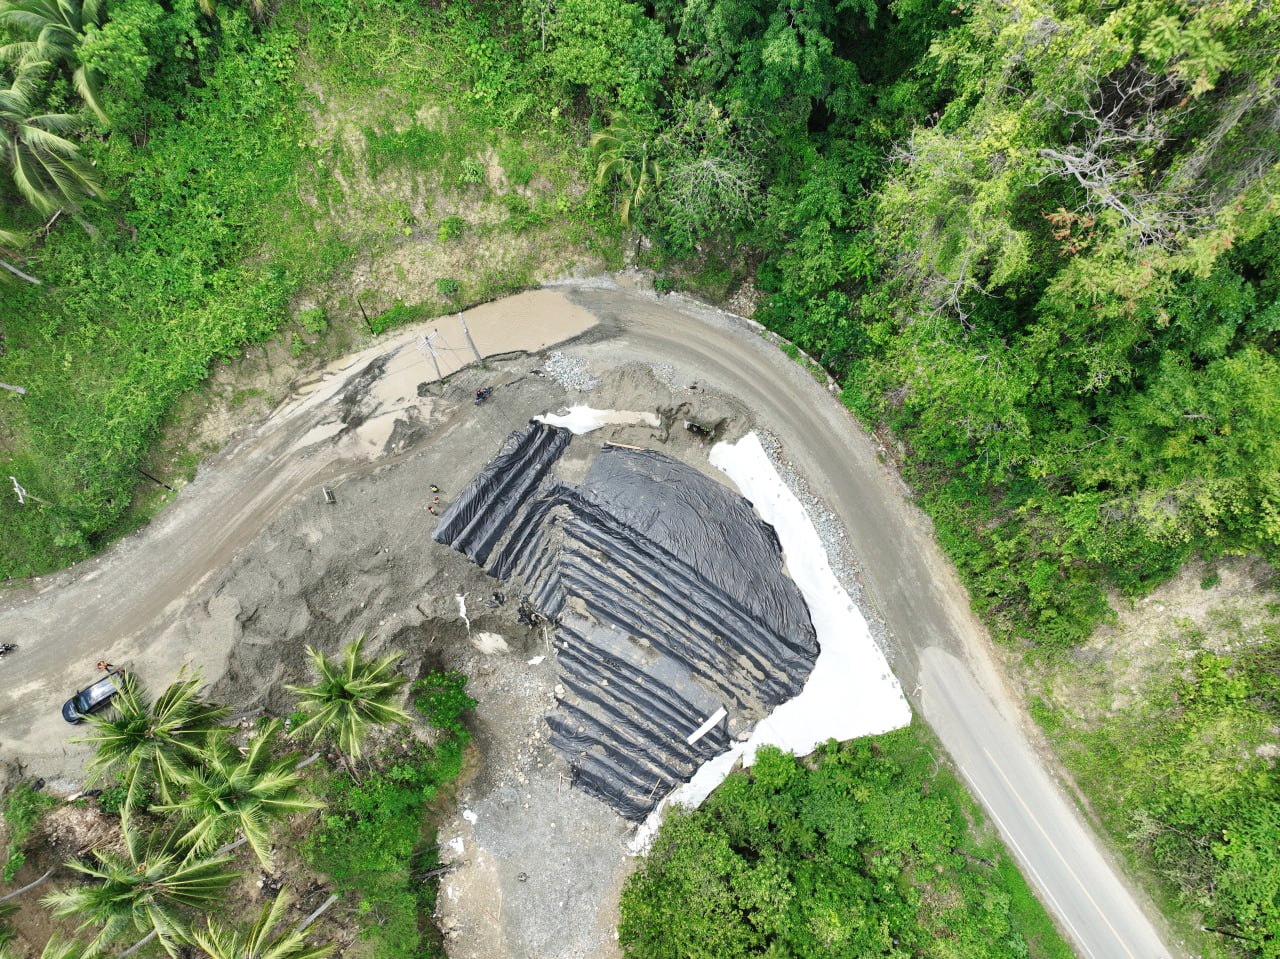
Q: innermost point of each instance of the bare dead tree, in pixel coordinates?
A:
(1193, 166)
(722, 183)
(541, 11)
(945, 156)
(944, 293)
(711, 177)
(1126, 118)
(1241, 150)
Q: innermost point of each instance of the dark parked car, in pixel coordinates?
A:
(92, 698)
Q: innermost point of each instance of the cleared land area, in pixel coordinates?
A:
(251, 563)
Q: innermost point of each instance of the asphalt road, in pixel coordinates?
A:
(940, 652)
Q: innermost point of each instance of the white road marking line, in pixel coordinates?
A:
(1027, 862)
(1058, 853)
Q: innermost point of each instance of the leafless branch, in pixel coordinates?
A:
(19, 274)
(1127, 116)
(30, 885)
(318, 913)
(138, 945)
(724, 182)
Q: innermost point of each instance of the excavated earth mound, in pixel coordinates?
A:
(671, 608)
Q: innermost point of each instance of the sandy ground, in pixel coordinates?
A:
(250, 564)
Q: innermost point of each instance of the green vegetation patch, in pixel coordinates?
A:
(23, 807)
(866, 848)
(1182, 773)
(246, 162)
(375, 839)
(132, 313)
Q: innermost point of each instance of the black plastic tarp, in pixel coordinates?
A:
(669, 599)
(478, 518)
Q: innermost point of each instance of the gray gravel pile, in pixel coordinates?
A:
(664, 373)
(571, 372)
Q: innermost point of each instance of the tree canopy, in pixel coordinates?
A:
(1035, 240)
(863, 851)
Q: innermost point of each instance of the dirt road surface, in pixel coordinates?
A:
(249, 562)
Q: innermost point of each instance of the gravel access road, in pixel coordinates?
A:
(119, 605)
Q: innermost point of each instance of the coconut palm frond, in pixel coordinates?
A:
(226, 791)
(259, 941)
(141, 741)
(352, 696)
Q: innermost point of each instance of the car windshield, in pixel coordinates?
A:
(102, 689)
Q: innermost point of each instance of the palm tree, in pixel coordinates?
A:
(257, 942)
(46, 167)
(12, 240)
(51, 32)
(624, 149)
(146, 890)
(352, 696)
(163, 740)
(226, 790)
(53, 949)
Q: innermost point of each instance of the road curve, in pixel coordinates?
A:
(939, 648)
(942, 649)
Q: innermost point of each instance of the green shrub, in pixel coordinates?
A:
(442, 698)
(416, 147)
(23, 808)
(516, 164)
(374, 837)
(112, 798)
(400, 314)
(451, 228)
(521, 214)
(866, 849)
(313, 320)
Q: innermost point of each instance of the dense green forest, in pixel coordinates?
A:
(1036, 241)
(865, 849)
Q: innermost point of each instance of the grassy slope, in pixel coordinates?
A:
(1168, 725)
(318, 163)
